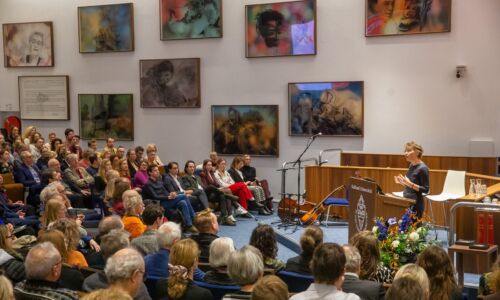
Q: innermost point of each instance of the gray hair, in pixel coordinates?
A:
(114, 241)
(168, 234)
(220, 250)
(49, 191)
(353, 259)
(40, 260)
(72, 157)
(122, 265)
(109, 223)
(245, 266)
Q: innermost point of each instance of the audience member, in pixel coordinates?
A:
(10, 261)
(43, 269)
(157, 263)
(123, 169)
(153, 218)
(250, 174)
(110, 145)
(220, 251)
(171, 181)
(208, 227)
(93, 167)
(120, 152)
(125, 271)
(96, 259)
(264, 238)
(327, 267)
(495, 277)
(133, 166)
(17, 212)
(183, 262)
(108, 294)
(415, 272)
(62, 152)
(245, 268)
(405, 288)
(141, 176)
(69, 133)
(29, 175)
(84, 162)
(486, 281)
(437, 264)
(139, 152)
(6, 290)
(121, 186)
(6, 165)
(310, 239)
(132, 221)
(365, 289)
(270, 287)
(152, 155)
(42, 162)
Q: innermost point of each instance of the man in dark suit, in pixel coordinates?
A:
(28, 174)
(365, 289)
(172, 183)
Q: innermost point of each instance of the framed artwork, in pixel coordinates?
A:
(281, 29)
(106, 28)
(44, 97)
(170, 82)
(28, 44)
(106, 115)
(245, 129)
(397, 17)
(190, 19)
(332, 108)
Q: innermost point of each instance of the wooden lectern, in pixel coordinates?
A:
(365, 204)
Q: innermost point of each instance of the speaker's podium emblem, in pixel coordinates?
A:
(361, 215)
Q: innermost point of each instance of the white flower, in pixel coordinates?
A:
(413, 237)
(395, 244)
(375, 229)
(419, 230)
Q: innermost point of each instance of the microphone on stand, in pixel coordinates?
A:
(316, 135)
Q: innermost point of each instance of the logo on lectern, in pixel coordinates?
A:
(360, 214)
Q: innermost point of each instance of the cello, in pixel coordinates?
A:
(312, 215)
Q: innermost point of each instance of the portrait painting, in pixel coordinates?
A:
(28, 44)
(245, 129)
(106, 115)
(106, 28)
(170, 83)
(281, 29)
(397, 17)
(332, 108)
(190, 19)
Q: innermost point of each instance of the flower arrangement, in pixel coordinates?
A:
(401, 240)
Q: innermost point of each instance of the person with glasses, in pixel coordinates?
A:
(125, 271)
(10, 261)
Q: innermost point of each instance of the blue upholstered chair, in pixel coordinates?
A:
(218, 291)
(296, 282)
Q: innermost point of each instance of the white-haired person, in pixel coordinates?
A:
(417, 273)
(220, 251)
(125, 270)
(134, 207)
(43, 269)
(245, 268)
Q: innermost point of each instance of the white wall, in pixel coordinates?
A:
(410, 87)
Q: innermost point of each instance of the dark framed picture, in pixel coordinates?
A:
(28, 44)
(190, 19)
(106, 115)
(245, 129)
(106, 28)
(281, 29)
(44, 97)
(397, 17)
(332, 108)
(170, 83)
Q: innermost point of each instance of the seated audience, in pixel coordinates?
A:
(106, 225)
(415, 272)
(125, 271)
(250, 174)
(100, 179)
(92, 144)
(94, 163)
(405, 288)
(6, 290)
(437, 264)
(52, 175)
(6, 165)
(155, 190)
(16, 212)
(78, 176)
(115, 162)
(270, 287)
(109, 293)
(62, 152)
(71, 278)
(327, 267)
(123, 169)
(120, 152)
(310, 239)
(371, 266)
(153, 218)
(10, 261)
(220, 251)
(245, 268)
(206, 223)
(152, 157)
(121, 185)
(29, 175)
(43, 162)
(36, 147)
(54, 144)
(110, 145)
(133, 166)
(365, 289)
(141, 176)
(191, 181)
(157, 263)
(84, 162)
(264, 238)
(139, 153)
(72, 234)
(172, 183)
(43, 269)
(183, 262)
(132, 221)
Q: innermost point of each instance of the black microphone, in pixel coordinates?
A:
(316, 135)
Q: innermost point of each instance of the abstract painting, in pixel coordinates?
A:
(281, 29)
(397, 17)
(332, 108)
(106, 28)
(245, 129)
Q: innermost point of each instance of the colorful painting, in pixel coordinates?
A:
(28, 45)
(190, 19)
(281, 29)
(245, 129)
(106, 115)
(170, 82)
(106, 28)
(396, 17)
(329, 108)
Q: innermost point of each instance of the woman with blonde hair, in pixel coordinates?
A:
(123, 169)
(72, 238)
(120, 186)
(310, 239)
(417, 273)
(28, 133)
(183, 260)
(152, 155)
(54, 210)
(6, 290)
(132, 221)
(10, 261)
